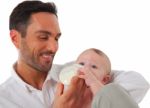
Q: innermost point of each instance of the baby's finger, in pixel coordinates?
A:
(81, 76)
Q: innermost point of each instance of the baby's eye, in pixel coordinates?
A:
(94, 66)
(81, 63)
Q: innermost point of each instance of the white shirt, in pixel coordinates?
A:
(15, 93)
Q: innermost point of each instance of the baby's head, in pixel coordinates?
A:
(98, 62)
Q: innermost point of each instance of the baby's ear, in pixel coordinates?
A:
(106, 79)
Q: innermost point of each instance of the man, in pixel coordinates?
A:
(34, 30)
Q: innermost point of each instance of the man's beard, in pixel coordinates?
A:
(33, 60)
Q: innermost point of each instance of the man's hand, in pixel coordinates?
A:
(74, 96)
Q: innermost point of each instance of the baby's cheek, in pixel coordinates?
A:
(99, 75)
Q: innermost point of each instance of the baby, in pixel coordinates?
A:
(96, 68)
(93, 66)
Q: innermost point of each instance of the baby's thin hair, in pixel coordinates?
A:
(97, 51)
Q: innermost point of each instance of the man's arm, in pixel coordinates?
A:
(133, 82)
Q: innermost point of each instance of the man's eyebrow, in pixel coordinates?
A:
(47, 32)
(43, 31)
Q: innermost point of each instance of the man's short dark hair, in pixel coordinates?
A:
(20, 16)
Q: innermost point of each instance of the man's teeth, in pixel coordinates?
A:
(46, 56)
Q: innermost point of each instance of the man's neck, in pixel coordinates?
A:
(30, 75)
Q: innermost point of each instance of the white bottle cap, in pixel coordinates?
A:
(67, 73)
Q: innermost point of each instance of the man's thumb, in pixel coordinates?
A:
(59, 89)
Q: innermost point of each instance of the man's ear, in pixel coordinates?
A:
(15, 37)
(106, 79)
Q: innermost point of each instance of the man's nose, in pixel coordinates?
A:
(52, 45)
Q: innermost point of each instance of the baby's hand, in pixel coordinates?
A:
(90, 79)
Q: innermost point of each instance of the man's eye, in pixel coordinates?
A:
(81, 63)
(43, 36)
(94, 66)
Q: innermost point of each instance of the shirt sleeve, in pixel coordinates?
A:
(133, 82)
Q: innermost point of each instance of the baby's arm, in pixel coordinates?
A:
(91, 80)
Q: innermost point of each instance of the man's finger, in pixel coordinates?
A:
(75, 85)
(59, 89)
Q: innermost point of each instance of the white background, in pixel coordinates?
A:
(121, 28)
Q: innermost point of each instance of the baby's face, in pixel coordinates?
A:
(93, 61)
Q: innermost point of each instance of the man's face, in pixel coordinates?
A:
(40, 44)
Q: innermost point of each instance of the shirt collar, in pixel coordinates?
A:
(25, 85)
